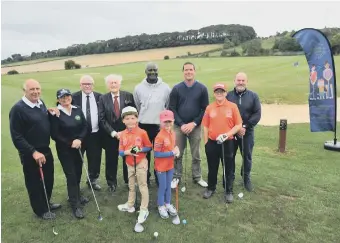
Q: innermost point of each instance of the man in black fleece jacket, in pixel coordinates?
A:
(188, 101)
(30, 132)
(249, 106)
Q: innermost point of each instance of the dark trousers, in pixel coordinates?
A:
(213, 151)
(248, 141)
(92, 145)
(152, 131)
(71, 163)
(33, 181)
(111, 162)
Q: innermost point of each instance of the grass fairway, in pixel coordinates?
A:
(296, 196)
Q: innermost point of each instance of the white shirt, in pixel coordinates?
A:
(30, 104)
(60, 107)
(93, 109)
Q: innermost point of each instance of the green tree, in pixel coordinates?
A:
(227, 44)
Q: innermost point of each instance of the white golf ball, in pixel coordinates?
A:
(155, 234)
(183, 189)
(240, 195)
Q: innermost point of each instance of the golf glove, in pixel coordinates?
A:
(221, 138)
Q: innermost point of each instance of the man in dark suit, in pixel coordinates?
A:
(88, 100)
(110, 108)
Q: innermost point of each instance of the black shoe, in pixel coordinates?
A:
(95, 186)
(78, 213)
(208, 193)
(112, 188)
(248, 185)
(48, 216)
(55, 206)
(83, 200)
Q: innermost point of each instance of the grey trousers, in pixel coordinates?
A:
(194, 140)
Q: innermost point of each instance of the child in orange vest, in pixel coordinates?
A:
(134, 143)
(165, 151)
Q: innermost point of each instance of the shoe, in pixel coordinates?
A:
(248, 185)
(112, 188)
(174, 183)
(143, 214)
(229, 197)
(55, 206)
(202, 183)
(163, 212)
(208, 193)
(171, 209)
(95, 186)
(48, 215)
(125, 208)
(78, 213)
(84, 200)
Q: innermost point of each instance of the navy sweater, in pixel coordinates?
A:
(30, 128)
(188, 103)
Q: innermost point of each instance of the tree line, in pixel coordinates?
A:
(213, 34)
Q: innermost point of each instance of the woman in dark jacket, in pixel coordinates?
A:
(68, 130)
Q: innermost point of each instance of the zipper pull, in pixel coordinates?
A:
(240, 100)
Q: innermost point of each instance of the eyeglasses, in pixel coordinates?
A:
(87, 84)
(152, 70)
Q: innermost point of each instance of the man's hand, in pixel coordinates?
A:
(54, 111)
(184, 129)
(187, 128)
(39, 158)
(241, 132)
(222, 138)
(76, 144)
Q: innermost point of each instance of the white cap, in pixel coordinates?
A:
(129, 110)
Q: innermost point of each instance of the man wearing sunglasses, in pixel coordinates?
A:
(151, 98)
(88, 100)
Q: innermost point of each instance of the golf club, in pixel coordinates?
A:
(47, 202)
(242, 154)
(224, 176)
(184, 188)
(100, 218)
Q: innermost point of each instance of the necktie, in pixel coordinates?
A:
(88, 113)
(116, 106)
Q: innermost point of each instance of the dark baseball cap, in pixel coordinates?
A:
(63, 92)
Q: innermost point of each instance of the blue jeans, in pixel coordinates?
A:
(164, 189)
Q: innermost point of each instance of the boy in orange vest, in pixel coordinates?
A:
(221, 121)
(134, 143)
(165, 151)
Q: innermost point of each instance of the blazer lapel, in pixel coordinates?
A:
(121, 101)
(80, 100)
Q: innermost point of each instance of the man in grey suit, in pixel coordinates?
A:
(88, 101)
(110, 108)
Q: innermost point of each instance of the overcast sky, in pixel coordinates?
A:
(41, 26)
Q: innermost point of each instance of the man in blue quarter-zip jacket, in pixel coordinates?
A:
(249, 106)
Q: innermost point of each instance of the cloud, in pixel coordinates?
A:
(42, 26)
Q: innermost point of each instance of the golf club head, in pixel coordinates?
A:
(176, 220)
(183, 189)
(138, 228)
(54, 232)
(100, 218)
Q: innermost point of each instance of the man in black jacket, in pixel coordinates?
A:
(249, 106)
(110, 108)
(88, 100)
(30, 132)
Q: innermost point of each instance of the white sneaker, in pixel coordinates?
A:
(143, 214)
(202, 183)
(171, 209)
(125, 208)
(174, 183)
(163, 212)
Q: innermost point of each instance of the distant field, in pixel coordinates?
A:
(15, 64)
(108, 59)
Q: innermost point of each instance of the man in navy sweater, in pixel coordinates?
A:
(30, 132)
(188, 101)
(249, 106)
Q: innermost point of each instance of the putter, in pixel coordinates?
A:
(47, 202)
(100, 218)
(242, 154)
(184, 188)
(224, 176)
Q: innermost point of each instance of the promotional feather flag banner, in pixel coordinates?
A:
(322, 80)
